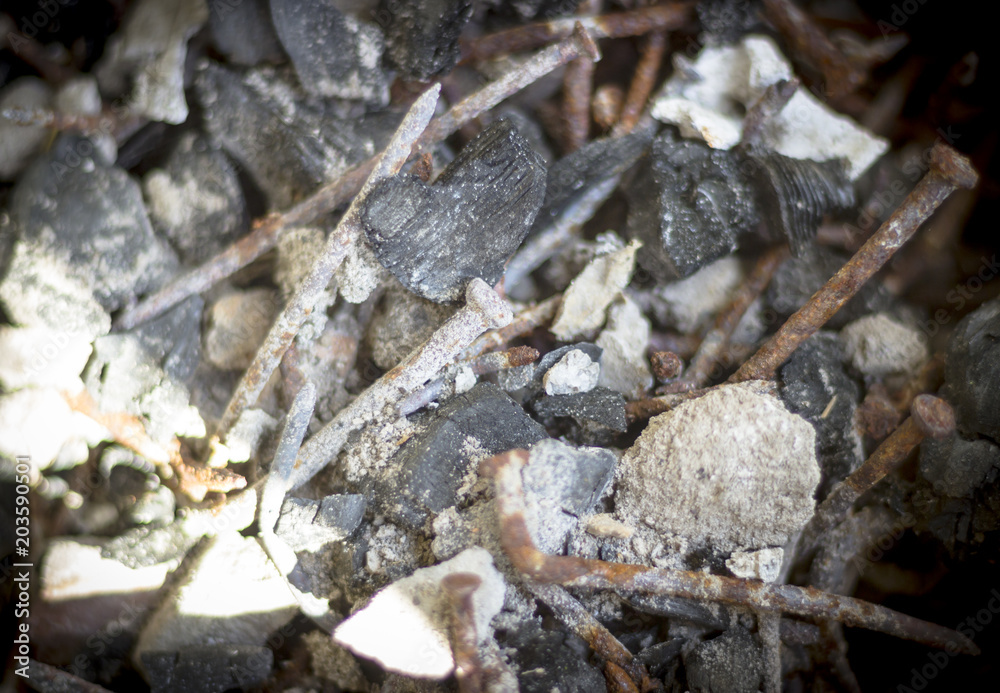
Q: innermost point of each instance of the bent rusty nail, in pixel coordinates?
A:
(642, 83)
(306, 295)
(578, 84)
(571, 571)
(949, 171)
(483, 309)
(458, 589)
(770, 104)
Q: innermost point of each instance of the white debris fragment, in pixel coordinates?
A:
(708, 101)
(689, 304)
(248, 432)
(601, 282)
(405, 627)
(624, 366)
(878, 345)
(39, 423)
(360, 273)
(42, 356)
(605, 525)
(574, 372)
(764, 564)
(732, 469)
(74, 569)
(465, 380)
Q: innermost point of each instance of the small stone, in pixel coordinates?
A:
(403, 321)
(561, 484)
(972, 371)
(423, 36)
(624, 366)
(582, 310)
(243, 32)
(732, 470)
(605, 525)
(552, 660)
(238, 324)
(42, 357)
(144, 546)
(196, 200)
(691, 304)
(957, 467)
(18, 142)
(333, 663)
(600, 405)
(574, 372)
(334, 54)
(307, 525)
(434, 239)
(298, 248)
(730, 663)
(465, 380)
(763, 564)
(433, 464)
(207, 668)
(542, 366)
(360, 273)
(878, 345)
(155, 507)
(406, 626)
(232, 594)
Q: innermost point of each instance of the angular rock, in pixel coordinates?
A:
(19, 142)
(730, 663)
(196, 200)
(422, 36)
(561, 484)
(334, 54)
(243, 32)
(76, 568)
(402, 322)
(582, 310)
(816, 387)
(542, 366)
(625, 340)
(877, 345)
(972, 371)
(406, 626)
(956, 466)
(732, 470)
(573, 373)
(306, 525)
(208, 668)
(434, 239)
(238, 323)
(90, 219)
(552, 660)
(762, 564)
(434, 464)
(600, 405)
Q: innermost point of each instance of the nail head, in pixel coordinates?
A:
(934, 417)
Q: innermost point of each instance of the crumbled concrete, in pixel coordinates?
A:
(708, 102)
(42, 357)
(360, 273)
(690, 304)
(878, 345)
(74, 569)
(405, 627)
(732, 470)
(730, 663)
(584, 303)
(38, 422)
(19, 142)
(238, 324)
(574, 372)
(763, 564)
(624, 365)
(402, 322)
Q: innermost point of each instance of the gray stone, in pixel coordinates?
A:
(878, 345)
(238, 324)
(242, 31)
(552, 660)
(730, 663)
(334, 54)
(207, 668)
(402, 322)
(434, 239)
(956, 466)
(600, 405)
(972, 371)
(422, 36)
(306, 525)
(625, 341)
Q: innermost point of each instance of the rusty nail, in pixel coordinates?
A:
(949, 171)
(423, 167)
(458, 589)
(572, 571)
(770, 104)
(643, 82)
(664, 17)
(483, 309)
(876, 415)
(666, 365)
(524, 323)
(578, 83)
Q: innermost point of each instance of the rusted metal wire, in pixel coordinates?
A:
(578, 84)
(642, 83)
(949, 171)
(572, 571)
(666, 365)
(770, 104)
(458, 589)
(524, 323)
(665, 17)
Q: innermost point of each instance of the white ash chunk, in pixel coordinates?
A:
(42, 356)
(733, 470)
(573, 373)
(405, 627)
(878, 345)
(624, 366)
(709, 98)
(582, 309)
(691, 303)
(764, 564)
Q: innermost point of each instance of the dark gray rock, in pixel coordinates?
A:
(972, 371)
(289, 143)
(208, 668)
(594, 162)
(422, 35)
(659, 657)
(727, 20)
(799, 278)
(77, 210)
(811, 379)
(242, 31)
(600, 405)
(552, 660)
(306, 525)
(687, 204)
(334, 54)
(432, 465)
(730, 663)
(196, 200)
(434, 239)
(956, 466)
